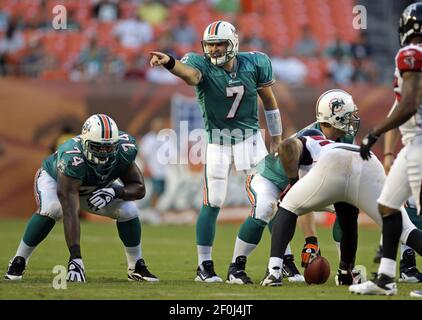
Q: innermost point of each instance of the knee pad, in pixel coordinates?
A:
(127, 211)
(265, 209)
(52, 210)
(216, 188)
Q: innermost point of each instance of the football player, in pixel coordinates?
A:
(337, 117)
(227, 84)
(82, 174)
(408, 270)
(335, 172)
(405, 176)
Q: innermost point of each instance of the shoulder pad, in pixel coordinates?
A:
(409, 58)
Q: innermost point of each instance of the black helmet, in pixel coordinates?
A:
(410, 23)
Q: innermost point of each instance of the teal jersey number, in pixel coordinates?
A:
(70, 160)
(229, 100)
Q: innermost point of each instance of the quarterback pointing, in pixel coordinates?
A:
(227, 84)
(82, 174)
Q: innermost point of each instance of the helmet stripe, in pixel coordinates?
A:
(212, 29)
(209, 29)
(216, 27)
(109, 125)
(106, 126)
(102, 126)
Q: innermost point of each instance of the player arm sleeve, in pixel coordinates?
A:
(264, 69)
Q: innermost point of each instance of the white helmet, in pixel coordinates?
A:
(99, 140)
(337, 108)
(221, 31)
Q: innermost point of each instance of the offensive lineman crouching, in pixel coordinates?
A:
(82, 174)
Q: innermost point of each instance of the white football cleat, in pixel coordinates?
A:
(273, 279)
(296, 278)
(382, 285)
(416, 293)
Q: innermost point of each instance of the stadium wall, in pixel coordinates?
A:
(32, 113)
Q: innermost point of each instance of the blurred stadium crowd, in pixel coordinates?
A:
(309, 42)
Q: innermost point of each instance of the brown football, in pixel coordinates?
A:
(318, 271)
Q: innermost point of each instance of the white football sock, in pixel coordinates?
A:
(242, 248)
(275, 262)
(403, 248)
(204, 253)
(133, 254)
(387, 267)
(24, 251)
(288, 250)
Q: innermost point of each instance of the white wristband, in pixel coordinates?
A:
(273, 119)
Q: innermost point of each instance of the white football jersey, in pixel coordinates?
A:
(408, 58)
(314, 146)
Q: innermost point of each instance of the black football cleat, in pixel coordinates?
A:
(237, 273)
(205, 272)
(141, 273)
(16, 269)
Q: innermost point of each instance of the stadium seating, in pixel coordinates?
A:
(278, 22)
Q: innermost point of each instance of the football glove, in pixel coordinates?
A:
(100, 198)
(366, 145)
(309, 252)
(75, 271)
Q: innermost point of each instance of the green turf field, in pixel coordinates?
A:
(170, 254)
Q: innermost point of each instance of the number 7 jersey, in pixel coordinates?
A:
(229, 100)
(70, 160)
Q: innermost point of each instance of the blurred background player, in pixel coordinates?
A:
(404, 178)
(337, 117)
(82, 174)
(227, 84)
(156, 169)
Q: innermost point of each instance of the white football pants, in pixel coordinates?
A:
(45, 188)
(219, 159)
(405, 177)
(263, 195)
(342, 175)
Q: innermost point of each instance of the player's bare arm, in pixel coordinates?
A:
(290, 152)
(188, 74)
(134, 185)
(68, 193)
(390, 141)
(272, 116)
